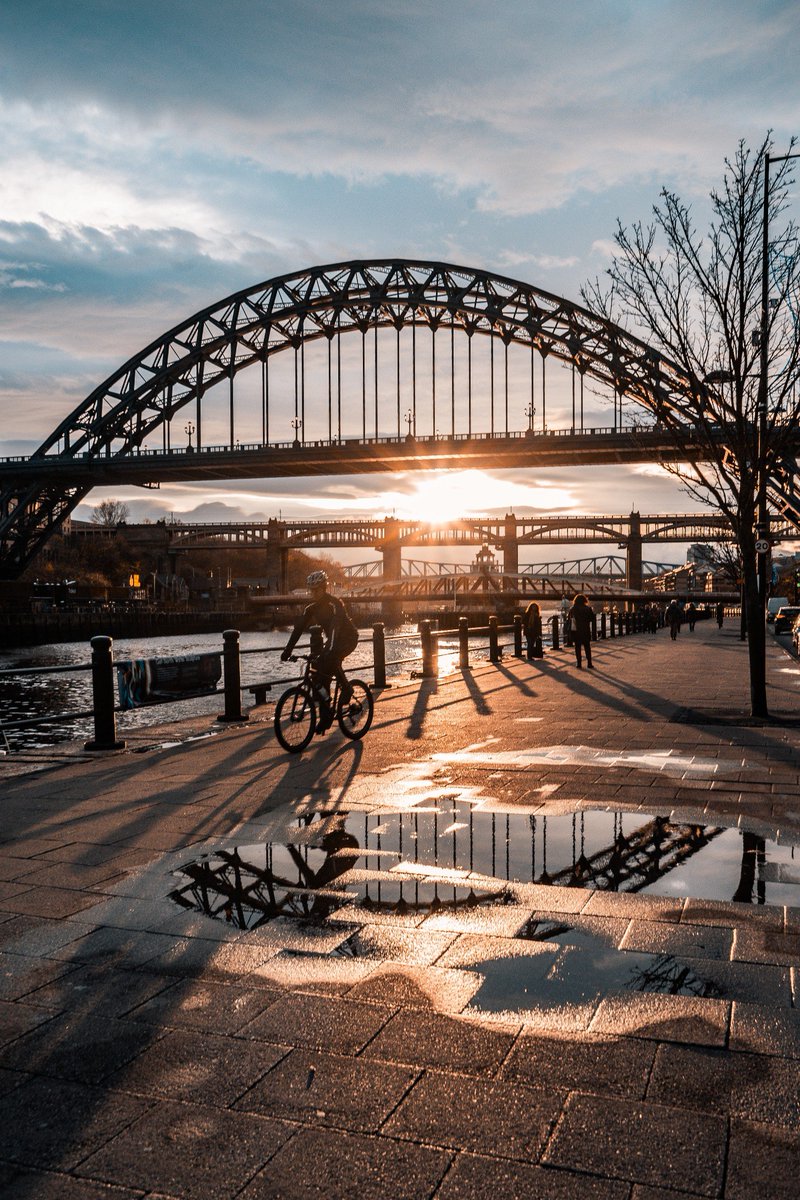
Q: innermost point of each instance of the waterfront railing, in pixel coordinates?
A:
(424, 658)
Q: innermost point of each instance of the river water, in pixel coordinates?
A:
(42, 695)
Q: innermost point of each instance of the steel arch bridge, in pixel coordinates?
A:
(123, 432)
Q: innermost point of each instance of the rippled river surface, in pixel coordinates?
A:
(42, 695)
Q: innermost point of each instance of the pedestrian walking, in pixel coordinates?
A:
(691, 615)
(720, 615)
(673, 618)
(581, 619)
(532, 624)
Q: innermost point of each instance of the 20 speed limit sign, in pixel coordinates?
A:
(762, 546)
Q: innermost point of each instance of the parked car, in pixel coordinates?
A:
(796, 636)
(785, 617)
(774, 605)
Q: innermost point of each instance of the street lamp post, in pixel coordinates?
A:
(762, 509)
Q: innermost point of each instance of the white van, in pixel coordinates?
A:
(773, 604)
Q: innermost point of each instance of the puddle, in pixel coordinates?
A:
(449, 856)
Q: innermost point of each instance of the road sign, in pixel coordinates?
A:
(762, 546)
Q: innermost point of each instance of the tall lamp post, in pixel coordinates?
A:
(762, 510)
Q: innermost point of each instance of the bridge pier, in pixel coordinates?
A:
(633, 554)
(392, 555)
(277, 558)
(510, 546)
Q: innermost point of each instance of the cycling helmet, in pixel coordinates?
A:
(317, 579)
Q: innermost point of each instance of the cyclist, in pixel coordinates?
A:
(341, 639)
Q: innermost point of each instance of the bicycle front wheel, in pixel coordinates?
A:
(295, 719)
(355, 715)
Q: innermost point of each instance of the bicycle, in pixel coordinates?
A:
(300, 711)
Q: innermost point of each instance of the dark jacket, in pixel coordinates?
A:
(581, 621)
(329, 612)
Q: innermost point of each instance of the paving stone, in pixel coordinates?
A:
(320, 1164)
(25, 1185)
(640, 1142)
(765, 1029)
(731, 914)
(328, 1022)
(52, 1123)
(211, 1006)
(657, 937)
(189, 1151)
(504, 920)
(314, 1087)
(434, 1040)
(589, 1062)
(18, 1019)
(411, 946)
(656, 1193)
(668, 1018)
(186, 957)
(474, 1177)
(762, 1161)
(77, 1046)
(20, 975)
(487, 1117)
(756, 1087)
(439, 988)
(753, 982)
(185, 1065)
(38, 937)
(125, 947)
(766, 946)
(50, 902)
(312, 972)
(633, 904)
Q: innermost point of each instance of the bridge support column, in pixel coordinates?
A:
(633, 554)
(277, 558)
(392, 554)
(510, 546)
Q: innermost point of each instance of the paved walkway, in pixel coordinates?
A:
(149, 1050)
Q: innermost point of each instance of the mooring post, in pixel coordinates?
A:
(232, 677)
(602, 625)
(494, 648)
(428, 650)
(554, 625)
(105, 720)
(518, 635)
(463, 643)
(378, 655)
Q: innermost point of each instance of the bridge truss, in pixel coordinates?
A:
(382, 406)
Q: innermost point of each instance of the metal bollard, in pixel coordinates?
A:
(378, 655)
(494, 649)
(603, 626)
(627, 624)
(232, 677)
(105, 720)
(517, 635)
(463, 644)
(429, 655)
(554, 624)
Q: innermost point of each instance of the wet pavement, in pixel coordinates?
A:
(539, 932)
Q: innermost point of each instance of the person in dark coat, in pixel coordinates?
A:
(532, 624)
(691, 615)
(581, 619)
(673, 617)
(720, 615)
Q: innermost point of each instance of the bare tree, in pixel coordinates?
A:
(697, 302)
(110, 513)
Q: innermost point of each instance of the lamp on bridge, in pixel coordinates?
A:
(296, 425)
(530, 413)
(409, 419)
(188, 429)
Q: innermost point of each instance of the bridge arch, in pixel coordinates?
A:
(115, 425)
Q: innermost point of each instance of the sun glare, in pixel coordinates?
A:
(447, 495)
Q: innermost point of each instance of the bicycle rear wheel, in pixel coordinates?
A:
(355, 715)
(295, 719)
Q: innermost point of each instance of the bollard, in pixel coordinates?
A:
(494, 649)
(378, 655)
(463, 644)
(554, 624)
(603, 626)
(429, 665)
(627, 624)
(232, 677)
(611, 630)
(105, 721)
(517, 635)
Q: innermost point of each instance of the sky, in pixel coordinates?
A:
(157, 156)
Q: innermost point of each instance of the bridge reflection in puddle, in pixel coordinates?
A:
(448, 855)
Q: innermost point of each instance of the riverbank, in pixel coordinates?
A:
(435, 1050)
